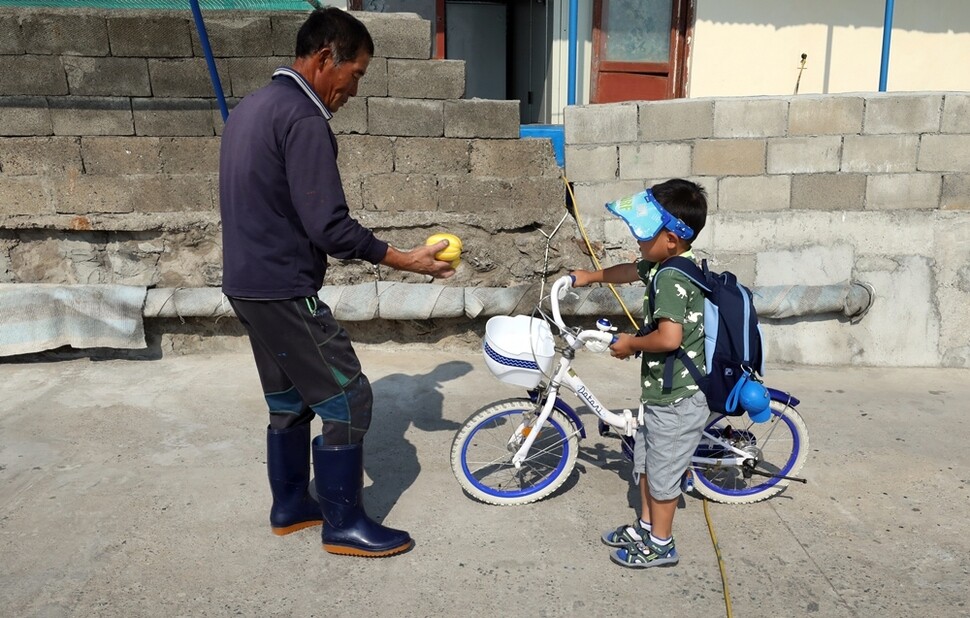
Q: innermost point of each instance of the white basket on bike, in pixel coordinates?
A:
(518, 350)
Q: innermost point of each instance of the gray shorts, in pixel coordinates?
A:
(666, 441)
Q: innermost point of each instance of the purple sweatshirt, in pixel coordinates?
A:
(283, 207)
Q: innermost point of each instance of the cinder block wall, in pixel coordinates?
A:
(809, 190)
(109, 142)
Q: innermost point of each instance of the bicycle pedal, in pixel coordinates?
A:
(604, 428)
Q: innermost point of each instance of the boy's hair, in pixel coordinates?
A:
(685, 200)
(344, 34)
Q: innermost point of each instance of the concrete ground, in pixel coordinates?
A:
(137, 488)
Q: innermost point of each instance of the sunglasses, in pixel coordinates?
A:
(645, 217)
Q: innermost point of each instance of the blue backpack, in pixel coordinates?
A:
(732, 338)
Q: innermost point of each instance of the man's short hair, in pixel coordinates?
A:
(344, 34)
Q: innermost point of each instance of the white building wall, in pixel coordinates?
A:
(558, 75)
(752, 47)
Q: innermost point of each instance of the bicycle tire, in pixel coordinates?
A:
(782, 443)
(482, 460)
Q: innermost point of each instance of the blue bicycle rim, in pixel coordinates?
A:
(521, 492)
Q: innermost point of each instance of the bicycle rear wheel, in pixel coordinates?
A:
(778, 447)
(481, 455)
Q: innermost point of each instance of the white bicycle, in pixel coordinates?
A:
(518, 451)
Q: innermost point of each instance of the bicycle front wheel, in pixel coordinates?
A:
(778, 447)
(481, 455)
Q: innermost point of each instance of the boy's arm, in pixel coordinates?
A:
(621, 273)
(668, 336)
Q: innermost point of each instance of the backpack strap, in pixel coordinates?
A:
(698, 276)
(669, 369)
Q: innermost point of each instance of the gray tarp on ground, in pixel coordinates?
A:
(39, 317)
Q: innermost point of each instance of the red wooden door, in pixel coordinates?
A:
(639, 49)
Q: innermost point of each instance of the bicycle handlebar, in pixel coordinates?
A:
(561, 284)
(594, 340)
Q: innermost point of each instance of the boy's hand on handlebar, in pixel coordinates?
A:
(580, 278)
(623, 347)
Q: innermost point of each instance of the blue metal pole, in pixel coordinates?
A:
(573, 27)
(209, 60)
(887, 30)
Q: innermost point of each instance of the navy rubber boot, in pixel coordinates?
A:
(339, 472)
(288, 465)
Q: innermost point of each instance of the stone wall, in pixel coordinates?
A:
(109, 142)
(809, 190)
(109, 138)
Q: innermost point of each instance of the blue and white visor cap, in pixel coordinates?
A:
(645, 217)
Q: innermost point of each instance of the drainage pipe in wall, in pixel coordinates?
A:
(421, 301)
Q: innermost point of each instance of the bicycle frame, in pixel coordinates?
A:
(626, 423)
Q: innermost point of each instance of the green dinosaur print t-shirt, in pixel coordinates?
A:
(679, 300)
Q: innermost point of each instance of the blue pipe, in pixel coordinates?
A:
(209, 60)
(573, 27)
(887, 30)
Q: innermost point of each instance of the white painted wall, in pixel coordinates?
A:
(558, 73)
(753, 47)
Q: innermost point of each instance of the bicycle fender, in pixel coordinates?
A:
(783, 397)
(564, 407)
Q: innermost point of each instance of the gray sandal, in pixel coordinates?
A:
(645, 554)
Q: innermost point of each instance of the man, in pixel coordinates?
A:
(283, 212)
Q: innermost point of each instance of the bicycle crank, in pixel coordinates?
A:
(748, 468)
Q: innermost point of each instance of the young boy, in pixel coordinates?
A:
(673, 418)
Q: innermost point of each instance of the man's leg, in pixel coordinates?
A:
(287, 443)
(317, 356)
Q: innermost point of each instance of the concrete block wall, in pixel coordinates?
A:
(808, 190)
(109, 146)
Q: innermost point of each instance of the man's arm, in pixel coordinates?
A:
(419, 260)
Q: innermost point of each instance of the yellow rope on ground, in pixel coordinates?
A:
(707, 515)
(720, 562)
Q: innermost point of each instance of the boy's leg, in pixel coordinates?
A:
(662, 516)
(645, 512)
(626, 533)
(672, 434)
